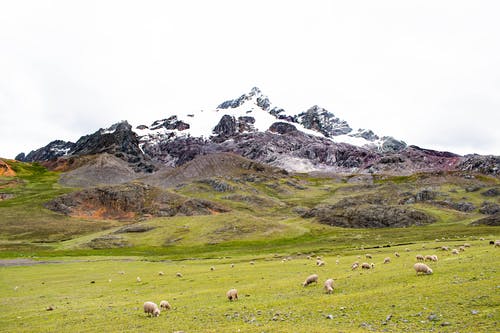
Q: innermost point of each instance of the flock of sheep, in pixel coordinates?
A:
(152, 309)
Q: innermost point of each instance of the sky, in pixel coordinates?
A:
(426, 72)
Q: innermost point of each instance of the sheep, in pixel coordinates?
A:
(397, 254)
(368, 256)
(387, 260)
(165, 305)
(366, 265)
(252, 262)
(337, 261)
(310, 279)
(151, 309)
(497, 243)
(466, 245)
(420, 257)
(318, 258)
(329, 286)
(232, 265)
(320, 263)
(138, 279)
(178, 274)
(232, 294)
(212, 268)
(308, 257)
(462, 248)
(355, 265)
(445, 248)
(121, 272)
(407, 250)
(422, 268)
(481, 239)
(431, 257)
(161, 273)
(454, 251)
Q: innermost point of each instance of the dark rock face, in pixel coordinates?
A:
(492, 192)
(489, 164)
(366, 134)
(370, 216)
(392, 145)
(130, 201)
(171, 123)
(282, 128)
(118, 140)
(493, 220)
(319, 119)
(51, 151)
(489, 208)
(226, 126)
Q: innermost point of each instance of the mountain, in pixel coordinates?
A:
(253, 127)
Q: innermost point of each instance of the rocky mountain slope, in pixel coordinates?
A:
(252, 127)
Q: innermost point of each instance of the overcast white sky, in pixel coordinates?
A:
(426, 72)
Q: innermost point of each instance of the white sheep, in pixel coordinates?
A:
(454, 251)
(232, 294)
(310, 279)
(366, 265)
(431, 257)
(320, 263)
(397, 254)
(232, 265)
(138, 279)
(387, 260)
(308, 257)
(329, 286)
(165, 305)
(445, 248)
(368, 256)
(407, 250)
(161, 273)
(355, 265)
(497, 243)
(462, 248)
(151, 309)
(337, 261)
(466, 245)
(420, 257)
(178, 274)
(422, 268)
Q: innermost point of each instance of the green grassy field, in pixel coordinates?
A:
(83, 285)
(462, 295)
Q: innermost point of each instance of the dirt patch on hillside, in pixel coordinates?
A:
(6, 170)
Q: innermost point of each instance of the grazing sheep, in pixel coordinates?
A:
(445, 248)
(329, 286)
(232, 265)
(318, 258)
(466, 245)
(368, 256)
(454, 251)
(462, 248)
(422, 268)
(366, 265)
(497, 243)
(320, 263)
(407, 250)
(161, 273)
(431, 257)
(308, 257)
(121, 272)
(232, 294)
(387, 260)
(212, 268)
(355, 265)
(359, 257)
(178, 274)
(420, 257)
(397, 254)
(138, 279)
(151, 309)
(252, 263)
(165, 305)
(310, 279)
(481, 239)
